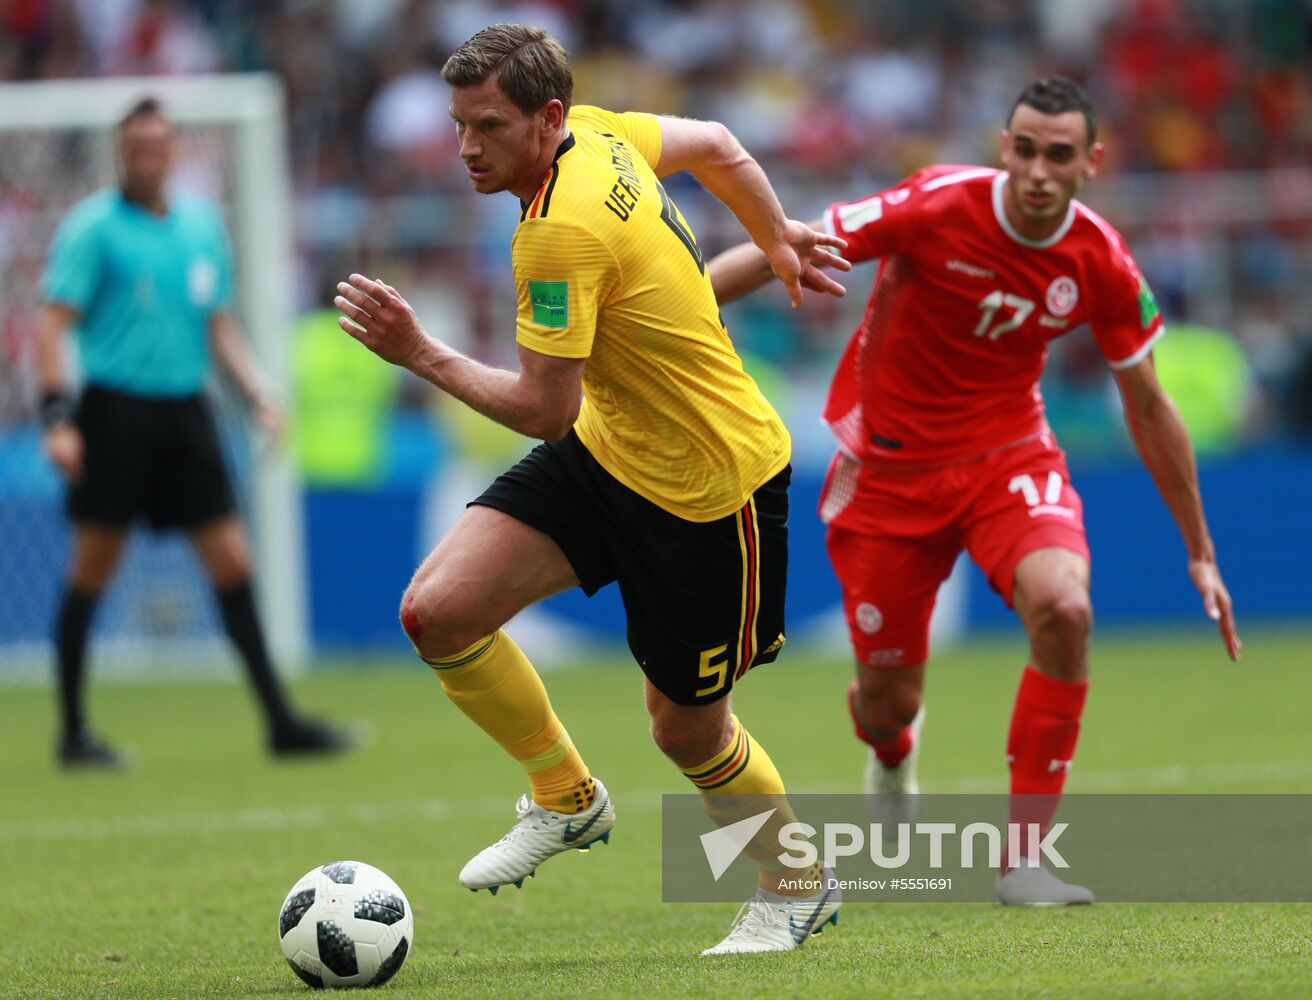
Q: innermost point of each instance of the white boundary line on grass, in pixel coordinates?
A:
(1160, 779)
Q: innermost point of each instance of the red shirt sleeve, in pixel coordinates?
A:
(879, 224)
(1128, 322)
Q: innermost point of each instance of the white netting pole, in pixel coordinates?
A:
(264, 250)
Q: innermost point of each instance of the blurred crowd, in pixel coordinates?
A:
(835, 97)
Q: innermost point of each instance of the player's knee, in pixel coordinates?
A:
(224, 550)
(90, 579)
(230, 575)
(236, 568)
(410, 620)
(902, 710)
(888, 698)
(92, 573)
(686, 746)
(1066, 612)
(886, 714)
(667, 737)
(435, 624)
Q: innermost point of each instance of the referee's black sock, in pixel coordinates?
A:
(237, 605)
(71, 628)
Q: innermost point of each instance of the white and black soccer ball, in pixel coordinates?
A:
(346, 924)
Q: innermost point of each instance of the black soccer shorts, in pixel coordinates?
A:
(147, 457)
(704, 601)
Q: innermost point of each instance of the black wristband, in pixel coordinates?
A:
(56, 408)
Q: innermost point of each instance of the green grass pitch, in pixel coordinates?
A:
(166, 882)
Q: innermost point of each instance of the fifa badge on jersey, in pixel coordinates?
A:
(1147, 304)
(550, 301)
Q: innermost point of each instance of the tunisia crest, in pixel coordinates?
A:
(1063, 293)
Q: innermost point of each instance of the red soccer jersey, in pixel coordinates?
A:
(946, 362)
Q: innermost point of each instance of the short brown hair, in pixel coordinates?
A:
(531, 66)
(1056, 95)
(146, 107)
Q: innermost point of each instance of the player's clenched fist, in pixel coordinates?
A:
(375, 314)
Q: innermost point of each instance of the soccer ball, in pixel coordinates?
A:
(345, 924)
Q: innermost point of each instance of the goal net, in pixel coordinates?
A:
(56, 147)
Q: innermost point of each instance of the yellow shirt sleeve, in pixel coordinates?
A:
(640, 130)
(563, 275)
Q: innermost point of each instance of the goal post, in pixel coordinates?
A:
(56, 147)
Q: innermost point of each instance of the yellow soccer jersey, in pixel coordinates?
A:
(607, 269)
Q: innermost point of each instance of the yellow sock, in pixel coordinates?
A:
(741, 768)
(494, 684)
(744, 768)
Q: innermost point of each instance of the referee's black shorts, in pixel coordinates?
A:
(146, 457)
(704, 601)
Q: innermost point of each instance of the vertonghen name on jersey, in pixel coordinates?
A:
(627, 189)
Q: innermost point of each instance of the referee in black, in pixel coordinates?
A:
(145, 281)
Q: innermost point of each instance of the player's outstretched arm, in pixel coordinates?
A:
(743, 269)
(712, 154)
(1163, 444)
(540, 400)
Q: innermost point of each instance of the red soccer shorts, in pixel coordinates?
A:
(894, 535)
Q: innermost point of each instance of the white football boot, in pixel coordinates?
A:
(770, 922)
(1025, 886)
(893, 791)
(539, 835)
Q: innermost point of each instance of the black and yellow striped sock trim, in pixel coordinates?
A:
(465, 656)
(726, 765)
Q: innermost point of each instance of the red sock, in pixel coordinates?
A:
(1041, 743)
(892, 751)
